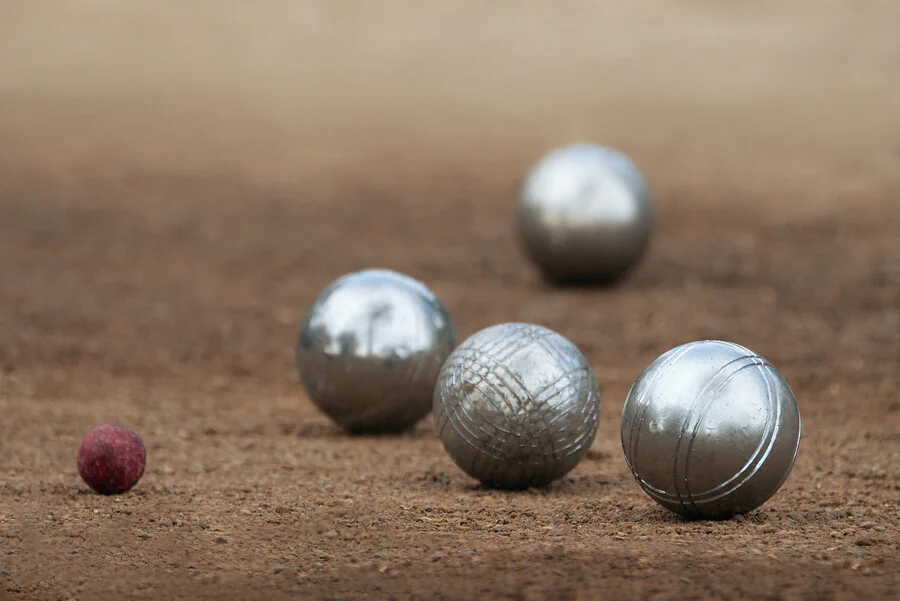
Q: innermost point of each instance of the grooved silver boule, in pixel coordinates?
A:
(516, 405)
(370, 348)
(710, 429)
(584, 213)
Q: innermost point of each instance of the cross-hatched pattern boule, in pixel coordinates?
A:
(710, 429)
(516, 405)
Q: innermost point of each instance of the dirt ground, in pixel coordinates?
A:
(178, 183)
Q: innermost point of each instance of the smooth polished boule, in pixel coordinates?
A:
(584, 213)
(370, 348)
(516, 405)
(710, 429)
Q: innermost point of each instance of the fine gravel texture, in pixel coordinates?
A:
(179, 182)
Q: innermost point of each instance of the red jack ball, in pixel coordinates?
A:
(111, 459)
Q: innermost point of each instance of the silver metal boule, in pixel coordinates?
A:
(584, 213)
(370, 348)
(710, 429)
(516, 405)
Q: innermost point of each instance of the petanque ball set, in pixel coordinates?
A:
(710, 429)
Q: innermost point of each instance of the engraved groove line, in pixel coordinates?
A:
(642, 403)
(755, 463)
(721, 377)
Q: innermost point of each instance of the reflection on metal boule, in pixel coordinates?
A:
(710, 429)
(370, 348)
(516, 405)
(585, 214)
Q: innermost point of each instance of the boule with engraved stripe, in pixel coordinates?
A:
(710, 429)
(370, 348)
(516, 405)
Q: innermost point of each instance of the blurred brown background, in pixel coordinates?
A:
(692, 88)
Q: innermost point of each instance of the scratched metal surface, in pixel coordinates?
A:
(516, 405)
